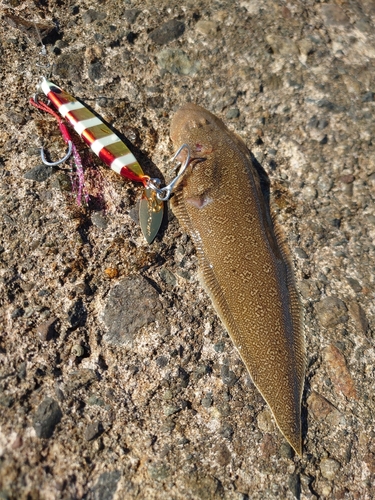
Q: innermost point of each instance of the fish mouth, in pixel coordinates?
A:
(190, 125)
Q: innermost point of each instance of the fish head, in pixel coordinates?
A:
(194, 126)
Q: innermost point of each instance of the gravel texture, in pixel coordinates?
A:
(117, 379)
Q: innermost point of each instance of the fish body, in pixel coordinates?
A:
(244, 263)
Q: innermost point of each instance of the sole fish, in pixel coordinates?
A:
(244, 261)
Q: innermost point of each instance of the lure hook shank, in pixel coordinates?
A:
(55, 163)
(64, 131)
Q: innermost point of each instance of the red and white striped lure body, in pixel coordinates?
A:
(101, 139)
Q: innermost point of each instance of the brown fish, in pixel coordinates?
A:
(244, 263)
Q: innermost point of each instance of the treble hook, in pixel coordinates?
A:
(164, 193)
(55, 163)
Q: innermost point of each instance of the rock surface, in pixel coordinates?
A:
(157, 399)
(48, 415)
(132, 303)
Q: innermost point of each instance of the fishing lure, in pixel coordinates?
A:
(107, 146)
(111, 150)
(244, 262)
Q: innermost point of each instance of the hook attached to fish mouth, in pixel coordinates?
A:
(165, 192)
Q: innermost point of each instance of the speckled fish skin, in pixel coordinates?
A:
(244, 263)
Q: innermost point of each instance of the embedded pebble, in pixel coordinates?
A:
(232, 113)
(227, 431)
(206, 27)
(268, 447)
(96, 71)
(368, 97)
(331, 311)
(106, 486)
(16, 118)
(323, 410)
(286, 450)
(339, 372)
(47, 416)
(168, 395)
(167, 276)
(95, 400)
(69, 67)
(184, 274)
(220, 346)
(171, 410)
(131, 15)
(369, 460)
(158, 472)
(357, 287)
(80, 378)
(17, 313)
(183, 377)
(93, 53)
(223, 455)
(201, 371)
(300, 252)
(77, 314)
(6, 401)
(131, 304)
(281, 45)
(162, 361)
(176, 61)
(228, 376)
(333, 15)
(346, 179)
(306, 47)
(46, 330)
(99, 220)
(326, 490)
(40, 173)
(294, 483)
(111, 272)
(204, 487)
(92, 430)
(264, 421)
(325, 184)
(329, 468)
(59, 393)
(22, 370)
(207, 400)
(92, 15)
(310, 193)
(358, 315)
(62, 182)
(171, 30)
